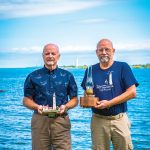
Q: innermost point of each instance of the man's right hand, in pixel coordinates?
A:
(103, 104)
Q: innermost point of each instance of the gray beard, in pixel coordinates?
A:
(104, 59)
(50, 63)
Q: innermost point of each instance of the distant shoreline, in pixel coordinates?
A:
(138, 66)
(85, 66)
(141, 66)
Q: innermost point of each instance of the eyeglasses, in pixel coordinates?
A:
(48, 54)
(107, 50)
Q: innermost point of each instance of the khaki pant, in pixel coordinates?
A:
(115, 129)
(50, 133)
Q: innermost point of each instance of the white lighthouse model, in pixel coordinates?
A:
(54, 101)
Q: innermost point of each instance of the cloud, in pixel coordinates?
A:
(143, 45)
(94, 20)
(133, 45)
(65, 48)
(29, 8)
(32, 49)
(76, 48)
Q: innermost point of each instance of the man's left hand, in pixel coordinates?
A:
(63, 109)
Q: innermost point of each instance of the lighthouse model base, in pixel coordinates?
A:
(50, 112)
(88, 101)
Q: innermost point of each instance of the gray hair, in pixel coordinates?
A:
(109, 41)
(51, 44)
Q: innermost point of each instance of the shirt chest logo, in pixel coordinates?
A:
(108, 83)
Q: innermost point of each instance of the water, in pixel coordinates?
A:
(15, 132)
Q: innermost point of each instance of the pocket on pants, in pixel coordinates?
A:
(34, 121)
(130, 146)
(128, 121)
(65, 121)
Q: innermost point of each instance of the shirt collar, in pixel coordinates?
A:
(50, 72)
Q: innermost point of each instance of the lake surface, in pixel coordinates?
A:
(15, 132)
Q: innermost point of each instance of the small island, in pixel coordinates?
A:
(141, 66)
(73, 66)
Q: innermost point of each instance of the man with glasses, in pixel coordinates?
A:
(114, 85)
(43, 89)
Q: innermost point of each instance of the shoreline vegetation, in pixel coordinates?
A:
(137, 66)
(141, 66)
(85, 66)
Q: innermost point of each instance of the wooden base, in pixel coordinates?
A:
(88, 101)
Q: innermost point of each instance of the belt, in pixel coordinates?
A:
(112, 117)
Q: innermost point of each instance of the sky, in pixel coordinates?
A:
(75, 26)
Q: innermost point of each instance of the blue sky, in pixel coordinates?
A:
(76, 26)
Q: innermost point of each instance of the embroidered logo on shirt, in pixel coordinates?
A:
(108, 83)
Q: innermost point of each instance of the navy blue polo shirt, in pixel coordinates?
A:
(42, 83)
(110, 83)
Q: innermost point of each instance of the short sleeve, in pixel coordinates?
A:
(84, 80)
(29, 89)
(128, 77)
(72, 88)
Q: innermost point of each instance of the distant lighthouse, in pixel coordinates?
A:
(76, 63)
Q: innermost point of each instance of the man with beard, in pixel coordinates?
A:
(40, 89)
(114, 85)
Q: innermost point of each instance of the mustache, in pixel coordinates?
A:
(50, 59)
(104, 59)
